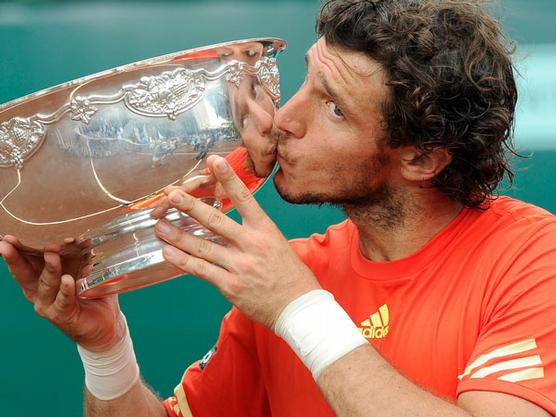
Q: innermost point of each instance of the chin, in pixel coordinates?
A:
(281, 187)
(284, 189)
(289, 194)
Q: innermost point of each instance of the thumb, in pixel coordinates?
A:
(65, 301)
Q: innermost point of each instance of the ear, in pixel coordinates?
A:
(416, 165)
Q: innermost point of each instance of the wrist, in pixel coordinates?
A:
(112, 373)
(110, 341)
(318, 330)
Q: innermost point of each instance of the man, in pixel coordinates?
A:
(403, 120)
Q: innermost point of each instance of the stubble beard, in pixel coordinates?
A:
(381, 205)
(383, 208)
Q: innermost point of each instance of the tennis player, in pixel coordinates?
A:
(433, 298)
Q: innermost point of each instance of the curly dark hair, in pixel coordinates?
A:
(451, 78)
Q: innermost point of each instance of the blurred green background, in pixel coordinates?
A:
(175, 323)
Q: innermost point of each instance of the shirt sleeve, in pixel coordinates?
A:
(227, 381)
(516, 349)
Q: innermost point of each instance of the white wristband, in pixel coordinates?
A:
(109, 375)
(318, 329)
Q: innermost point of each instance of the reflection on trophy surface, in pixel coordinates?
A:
(253, 111)
(81, 163)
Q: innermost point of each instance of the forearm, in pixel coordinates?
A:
(354, 378)
(113, 386)
(362, 383)
(139, 401)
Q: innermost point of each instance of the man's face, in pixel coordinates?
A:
(329, 147)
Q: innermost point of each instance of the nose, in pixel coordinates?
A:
(261, 117)
(291, 116)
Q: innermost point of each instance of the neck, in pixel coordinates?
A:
(399, 227)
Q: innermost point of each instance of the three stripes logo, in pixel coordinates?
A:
(377, 326)
(515, 362)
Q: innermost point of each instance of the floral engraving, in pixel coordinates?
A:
(167, 94)
(81, 109)
(19, 137)
(267, 72)
(235, 73)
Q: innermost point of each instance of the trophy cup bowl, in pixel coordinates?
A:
(82, 163)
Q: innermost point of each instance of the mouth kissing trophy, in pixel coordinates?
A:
(81, 163)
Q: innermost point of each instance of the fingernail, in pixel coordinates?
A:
(65, 285)
(170, 252)
(176, 197)
(221, 165)
(163, 227)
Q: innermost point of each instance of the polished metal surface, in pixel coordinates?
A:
(81, 163)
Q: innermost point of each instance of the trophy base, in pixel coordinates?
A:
(124, 254)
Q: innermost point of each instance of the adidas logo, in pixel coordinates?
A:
(376, 327)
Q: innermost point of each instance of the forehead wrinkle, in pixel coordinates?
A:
(362, 69)
(348, 84)
(356, 64)
(326, 59)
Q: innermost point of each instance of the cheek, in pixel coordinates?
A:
(325, 167)
(348, 165)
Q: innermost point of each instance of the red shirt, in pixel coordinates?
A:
(474, 309)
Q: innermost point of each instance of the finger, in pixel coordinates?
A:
(160, 208)
(210, 217)
(188, 185)
(49, 281)
(162, 205)
(214, 274)
(167, 190)
(12, 240)
(236, 190)
(21, 269)
(192, 183)
(196, 246)
(30, 256)
(64, 303)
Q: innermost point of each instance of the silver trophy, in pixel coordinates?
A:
(82, 163)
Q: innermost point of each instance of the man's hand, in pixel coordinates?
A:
(94, 324)
(257, 270)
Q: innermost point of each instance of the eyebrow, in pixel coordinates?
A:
(328, 88)
(330, 91)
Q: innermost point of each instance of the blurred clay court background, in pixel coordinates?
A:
(175, 323)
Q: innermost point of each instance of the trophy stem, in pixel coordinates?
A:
(125, 254)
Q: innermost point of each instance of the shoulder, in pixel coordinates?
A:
(507, 224)
(515, 231)
(519, 210)
(519, 253)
